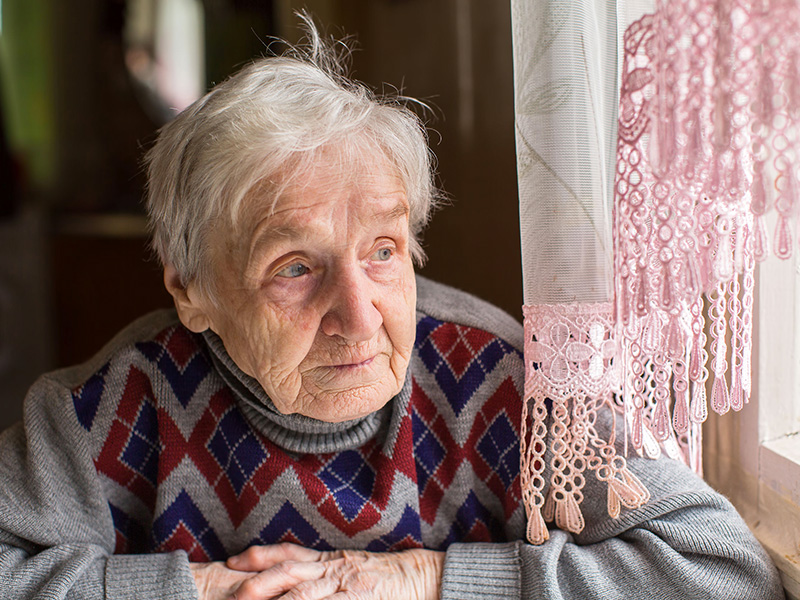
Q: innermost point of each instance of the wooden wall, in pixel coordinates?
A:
(455, 55)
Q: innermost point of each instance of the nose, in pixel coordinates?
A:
(352, 313)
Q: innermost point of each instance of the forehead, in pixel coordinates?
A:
(328, 197)
(365, 183)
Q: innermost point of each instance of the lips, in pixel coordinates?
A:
(354, 364)
(349, 356)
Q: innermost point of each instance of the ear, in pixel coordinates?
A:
(191, 305)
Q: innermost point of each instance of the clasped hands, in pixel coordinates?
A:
(293, 572)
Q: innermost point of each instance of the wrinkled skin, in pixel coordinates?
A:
(296, 573)
(316, 299)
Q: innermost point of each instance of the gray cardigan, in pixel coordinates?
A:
(57, 534)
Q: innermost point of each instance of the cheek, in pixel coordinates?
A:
(244, 342)
(287, 337)
(400, 314)
(267, 342)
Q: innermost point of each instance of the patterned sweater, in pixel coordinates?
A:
(160, 451)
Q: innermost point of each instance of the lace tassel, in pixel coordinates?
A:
(570, 352)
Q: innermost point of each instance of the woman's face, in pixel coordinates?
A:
(316, 298)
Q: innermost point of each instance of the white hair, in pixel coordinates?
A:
(273, 116)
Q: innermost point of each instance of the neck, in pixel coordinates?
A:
(298, 433)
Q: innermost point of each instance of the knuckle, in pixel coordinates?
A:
(340, 565)
(286, 568)
(253, 552)
(353, 557)
(248, 589)
(309, 590)
(304, 591)
(328, 555)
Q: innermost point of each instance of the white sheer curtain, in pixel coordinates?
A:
(652, 141)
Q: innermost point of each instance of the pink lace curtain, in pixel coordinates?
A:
(703, 184)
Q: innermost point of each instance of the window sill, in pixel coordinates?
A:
(779, 466)
(763, 484)
(777, 526)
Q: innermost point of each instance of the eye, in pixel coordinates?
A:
(294, 270)
(383, 254)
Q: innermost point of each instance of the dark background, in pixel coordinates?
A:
(74, 266)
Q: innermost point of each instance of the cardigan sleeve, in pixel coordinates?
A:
(56, 532)
(687, 542)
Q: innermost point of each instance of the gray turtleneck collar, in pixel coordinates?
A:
(297, 433)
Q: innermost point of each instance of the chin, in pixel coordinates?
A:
(349, 405)
(343, 394)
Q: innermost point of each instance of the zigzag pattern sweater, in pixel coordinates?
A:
(161, 451)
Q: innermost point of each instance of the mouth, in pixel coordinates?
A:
(354, 364)
(348, 360)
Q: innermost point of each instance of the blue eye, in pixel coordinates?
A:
(293, 270)
(383, 254)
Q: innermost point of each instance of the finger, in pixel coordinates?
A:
(313, 590)
(260, 558)
(279, 579)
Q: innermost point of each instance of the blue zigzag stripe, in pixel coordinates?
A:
(407, 527)
(87, 399)
(183, 510)
(471, 513)
(288, 520)
(184, 382)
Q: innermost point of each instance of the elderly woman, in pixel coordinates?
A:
(314, 421)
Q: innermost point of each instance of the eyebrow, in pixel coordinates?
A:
(399, 211)
(265, 232)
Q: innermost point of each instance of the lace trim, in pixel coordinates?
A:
(708, 145)
(570, 352)
(691, 199)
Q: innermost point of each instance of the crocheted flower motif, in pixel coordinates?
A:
(560, 355)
